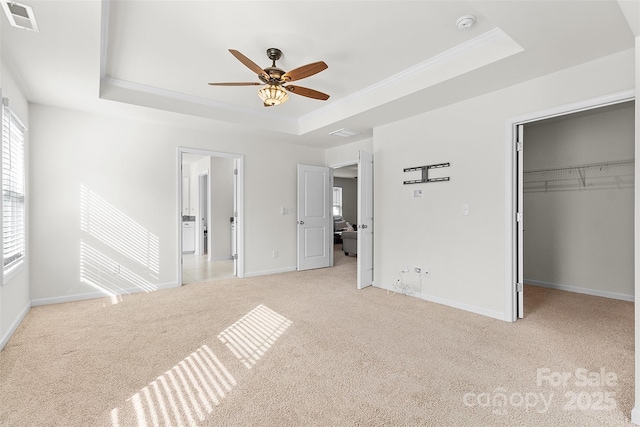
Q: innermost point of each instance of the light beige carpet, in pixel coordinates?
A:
(307, 348)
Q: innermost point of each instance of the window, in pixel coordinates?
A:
(337, 200)
(13, 218)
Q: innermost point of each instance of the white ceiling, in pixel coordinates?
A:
(387, 59)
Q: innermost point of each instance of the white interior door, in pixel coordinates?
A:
(365, 219)
(315, 220)
(520, 219)
(234, 223)
(203, 213)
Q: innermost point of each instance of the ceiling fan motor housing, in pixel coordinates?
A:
(274, 53)
(275, 74)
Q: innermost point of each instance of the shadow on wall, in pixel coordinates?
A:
(110, 239)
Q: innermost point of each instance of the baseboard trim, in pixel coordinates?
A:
(580, 290)
(635, 416)
(14, 326)
(268, 272)
(454, 304)
(94, 295)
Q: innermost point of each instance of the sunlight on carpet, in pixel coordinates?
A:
(251, 336)
(188, 392)
(183, 395)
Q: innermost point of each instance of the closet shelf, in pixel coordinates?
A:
(595, 175)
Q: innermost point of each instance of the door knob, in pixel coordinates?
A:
(364, 225)
(300, 222)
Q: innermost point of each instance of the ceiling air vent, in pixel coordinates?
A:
(344, 133)
(20, 15)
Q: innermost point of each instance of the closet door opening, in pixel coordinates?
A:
(577, 206)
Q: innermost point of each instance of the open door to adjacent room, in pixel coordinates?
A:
(210, 223)
(365, 219)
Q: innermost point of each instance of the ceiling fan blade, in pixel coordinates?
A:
(236, 84)
(248, 63)
(305, 71)
(309, 93)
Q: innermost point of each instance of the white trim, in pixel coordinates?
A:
(580, 290)
(344, 164)
(455, 52)
(635, 415)
(14, 326)
(269, 272)
(510, 303)
(575, 107)
(240, 204)
(453, 304)
(14, 270)
(94, 295)
(510, 178)
(196, 100)
(104, 36)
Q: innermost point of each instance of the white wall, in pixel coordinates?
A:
(466, 254)
(14, 294)
(347, 153)
(128, 171)
(581, 237)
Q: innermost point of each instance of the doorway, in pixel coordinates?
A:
(526, 178)
(345, 214)
(364, 215)
(210, 200)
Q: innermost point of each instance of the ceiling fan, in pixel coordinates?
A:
(276, 79)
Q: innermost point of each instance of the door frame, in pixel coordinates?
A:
(352, 163)
(238, 195)
(511, 187)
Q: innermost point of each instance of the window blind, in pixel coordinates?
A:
(337, 200)
(13, 220)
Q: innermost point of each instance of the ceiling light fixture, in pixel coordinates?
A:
(273, 95)
(465, 22)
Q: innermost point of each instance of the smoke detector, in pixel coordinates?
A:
(465, 22)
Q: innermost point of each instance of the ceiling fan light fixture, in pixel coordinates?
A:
(273, 95)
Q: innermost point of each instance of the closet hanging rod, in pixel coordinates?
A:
(590, 165)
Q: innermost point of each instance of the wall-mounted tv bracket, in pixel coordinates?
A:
(425, 173)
